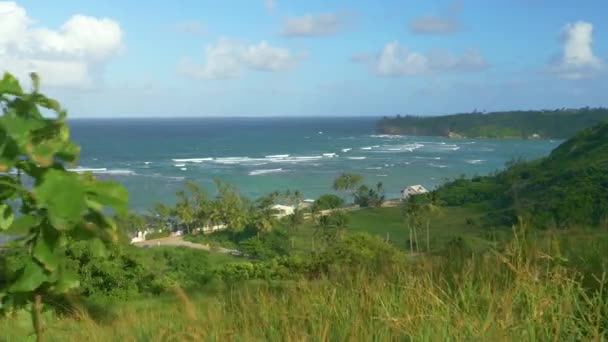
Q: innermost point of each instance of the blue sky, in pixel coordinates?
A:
(317, 58)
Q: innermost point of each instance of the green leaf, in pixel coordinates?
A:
(8, 187)
(45, 248)
(6, 216)
(97, 248)
(31, 277)
(67, 281)
(62, 193)
(23, 223)
(10, 85)
(108, 193)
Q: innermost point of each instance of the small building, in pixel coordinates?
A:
(139, 237)
(282, 210)
(412, 190)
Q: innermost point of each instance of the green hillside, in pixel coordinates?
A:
(568, 187)
(562, 123)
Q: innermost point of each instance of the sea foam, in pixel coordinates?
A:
(264, 171)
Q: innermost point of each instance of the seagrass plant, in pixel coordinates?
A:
(47, 204)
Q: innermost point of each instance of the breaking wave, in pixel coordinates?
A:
(264, 171)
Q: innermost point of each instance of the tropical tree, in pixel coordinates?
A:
(262, 216)
(327, 201)
(417, 212)
(162, 216)
(230, 208)
(331, 227)
(56, 207)
(131, 223)
(296, 219)
(346, 182)
(369, 197)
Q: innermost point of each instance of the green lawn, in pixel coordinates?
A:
(388, 223)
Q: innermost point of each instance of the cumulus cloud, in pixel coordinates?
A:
(577, 60)
(191, 26)
(67, 57)
(443, 23)
(396, 60)
(227, 58)
(324, 24)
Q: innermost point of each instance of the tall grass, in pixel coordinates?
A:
(527, 290)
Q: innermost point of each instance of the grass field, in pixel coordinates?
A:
(524, 293)
(388, 222)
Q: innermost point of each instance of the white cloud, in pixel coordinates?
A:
(395, 60)
(324, 24)
(443, 23)
(228, 57)
(66, 57)
(577, 60)
(434, 24)
(270, 5)
(191, 26)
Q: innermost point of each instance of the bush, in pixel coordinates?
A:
(158, 235)
(327, 201)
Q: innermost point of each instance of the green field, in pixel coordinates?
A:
(388, 223)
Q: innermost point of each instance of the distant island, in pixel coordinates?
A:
(531, 124)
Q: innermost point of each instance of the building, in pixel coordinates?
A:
(282, 210)
(412, 190)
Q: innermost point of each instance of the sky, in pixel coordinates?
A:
(308, 58)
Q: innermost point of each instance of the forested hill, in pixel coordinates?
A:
(561, 124)
(568, 187)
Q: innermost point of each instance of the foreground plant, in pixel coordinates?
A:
(42, 201)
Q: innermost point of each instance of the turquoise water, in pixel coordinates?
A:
(152, 157)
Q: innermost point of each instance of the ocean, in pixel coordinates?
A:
(152, 157)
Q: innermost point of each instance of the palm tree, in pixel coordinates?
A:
(347, 182)
(331, 227)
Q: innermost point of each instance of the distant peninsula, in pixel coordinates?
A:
(530, 124)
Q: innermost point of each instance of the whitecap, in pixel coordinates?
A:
(437, 165)
(183, 169)
(366, 148)
(264, 171)
(89, 169)
(330, 155)
(277, 156)
(374, 168)
(356, 158)
(381, 175)
(475, 161)
(346, 149)
(179, 165)
(387, 136)
(191, 160)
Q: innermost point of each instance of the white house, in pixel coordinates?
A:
(141, 236)
(412, 190)
(282, 210)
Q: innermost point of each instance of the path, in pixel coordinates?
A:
(179, 241)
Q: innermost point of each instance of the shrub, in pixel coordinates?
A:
(327, 201)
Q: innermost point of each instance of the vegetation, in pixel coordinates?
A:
(514, 255)
(55, 207)
(568, 188)
(327, 202)
(559, 123)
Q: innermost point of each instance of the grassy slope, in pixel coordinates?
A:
(445, 225)
(566, 188)
(523, 294)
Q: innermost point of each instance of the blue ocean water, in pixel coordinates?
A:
(152, 157)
